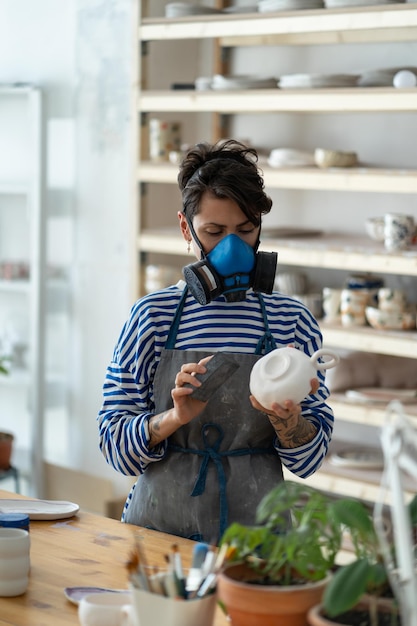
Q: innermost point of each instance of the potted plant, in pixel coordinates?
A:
(3, 361)
(281, 566)
(6, 439)
(360, 592)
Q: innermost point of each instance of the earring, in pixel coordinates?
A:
(189, 246)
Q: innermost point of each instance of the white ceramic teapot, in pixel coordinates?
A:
(285, 374)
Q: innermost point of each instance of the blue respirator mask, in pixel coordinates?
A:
(231, 268)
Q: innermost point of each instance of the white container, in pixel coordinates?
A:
(14, 561)
(285, 374)
(164, 138)
(398, 231)
(106, 609)
(152, 609)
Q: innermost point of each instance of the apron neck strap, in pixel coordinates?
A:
(172, 336)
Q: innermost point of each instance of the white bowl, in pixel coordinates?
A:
(374, 227)
(394, 320)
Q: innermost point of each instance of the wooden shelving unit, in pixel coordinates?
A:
(334, 251)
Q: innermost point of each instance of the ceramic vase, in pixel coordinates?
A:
(316, 616)
(6, 446)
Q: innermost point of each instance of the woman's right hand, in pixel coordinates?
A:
(185, 406)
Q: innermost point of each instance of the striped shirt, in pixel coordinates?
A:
(128, 395)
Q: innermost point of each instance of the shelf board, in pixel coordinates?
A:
(330, 250)
(340, 100)
(378, 23)
(362, 178)
(365, 413)
(363, 338)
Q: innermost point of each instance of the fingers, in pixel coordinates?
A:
(188, 372)
(285, 410)
(315, 384)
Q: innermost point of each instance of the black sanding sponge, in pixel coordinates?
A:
(220, 367)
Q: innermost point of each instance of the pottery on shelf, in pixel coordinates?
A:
(285, 374)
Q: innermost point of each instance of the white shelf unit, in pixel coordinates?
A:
(21, 113)
(334, 251)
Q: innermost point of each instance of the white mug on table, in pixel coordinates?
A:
(14, 561)
(106, 609)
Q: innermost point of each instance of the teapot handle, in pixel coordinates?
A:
(327, 364)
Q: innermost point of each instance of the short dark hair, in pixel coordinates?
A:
(226, 169)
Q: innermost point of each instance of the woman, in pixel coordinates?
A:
(204, 463)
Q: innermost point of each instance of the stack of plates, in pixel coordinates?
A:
(249, 8)
(381, 78)
(242, 82)
(264, 6)
(336, 4)
(313, 81)
(287, 157)
(182, 9)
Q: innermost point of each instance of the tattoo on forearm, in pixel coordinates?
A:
(154, 429)
(293, 434)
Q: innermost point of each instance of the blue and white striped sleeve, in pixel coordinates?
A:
(123, 425)
(305, 460)
(127, 397)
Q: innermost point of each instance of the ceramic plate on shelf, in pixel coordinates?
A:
(291, 231)
(76, 594)
(40, 509)
(371, 395)
(360, 458)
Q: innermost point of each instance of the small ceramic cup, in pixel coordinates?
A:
(331, 304)
(391, 300)
(353, 303)
(291, 283)
(398, 231)
(106, 609)
(14, 561)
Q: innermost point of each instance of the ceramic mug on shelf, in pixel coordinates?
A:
(392, 300)
(14, 561)
(353, 303)
(285, 374)
(398, 231)
(164, 137)
(331, 304)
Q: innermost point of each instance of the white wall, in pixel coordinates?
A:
(80, 52)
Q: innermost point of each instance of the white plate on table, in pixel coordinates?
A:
(377, 395)
(76, 594)
(39, 509)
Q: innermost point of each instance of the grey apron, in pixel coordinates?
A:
(220, 465)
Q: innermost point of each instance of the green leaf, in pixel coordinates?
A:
(346, 587)
(412, 507)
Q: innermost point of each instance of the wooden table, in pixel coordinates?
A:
(83, 550)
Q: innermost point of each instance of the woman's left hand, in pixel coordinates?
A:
(292, 429)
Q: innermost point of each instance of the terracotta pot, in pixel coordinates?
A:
(317, 618)
(250, 604)
(6, 445)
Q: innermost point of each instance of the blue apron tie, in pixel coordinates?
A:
(211, 453)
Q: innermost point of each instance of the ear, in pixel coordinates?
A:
(184, 227)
